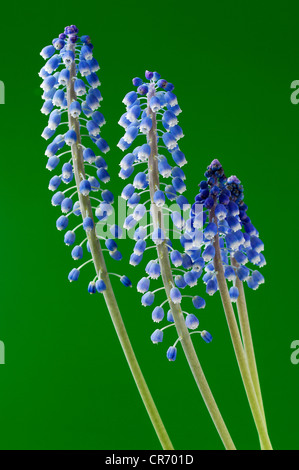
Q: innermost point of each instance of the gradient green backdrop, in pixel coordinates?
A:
(65, 384)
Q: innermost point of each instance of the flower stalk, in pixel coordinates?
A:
(85, 209)
(242, 358)
(256, 409)
(100, 267)
(168, 283)
(247, 341)
(231, 242)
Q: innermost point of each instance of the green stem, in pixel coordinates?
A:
(101, 270)
(238, 346)
(247, 341)
(168, 282)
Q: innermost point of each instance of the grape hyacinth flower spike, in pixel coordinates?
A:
(151, 117)
(71, 100)
(232, 251)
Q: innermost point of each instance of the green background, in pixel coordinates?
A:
(65, 384)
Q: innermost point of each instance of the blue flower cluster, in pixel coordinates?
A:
(71, 98)
(220, 212)
(151, 112)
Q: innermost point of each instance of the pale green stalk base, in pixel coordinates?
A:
(101, 270)
(168, 282)
(238, 347)
(248, 344)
